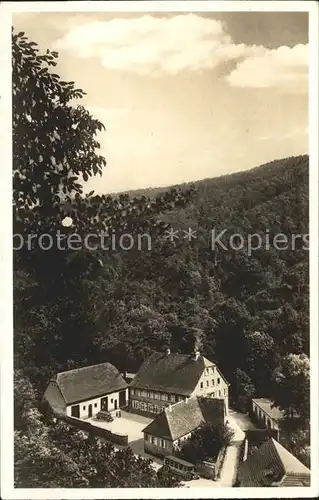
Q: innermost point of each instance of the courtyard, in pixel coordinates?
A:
(132, 425)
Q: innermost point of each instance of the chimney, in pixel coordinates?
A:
(168, 352)
(196, 355)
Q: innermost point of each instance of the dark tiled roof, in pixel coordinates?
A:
(267, 406)
(89, 382)
(177, 373)
(272, 463)
(159, 427)
(182, 418)
(54, 398)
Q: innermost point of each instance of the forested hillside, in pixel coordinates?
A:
(246, 310)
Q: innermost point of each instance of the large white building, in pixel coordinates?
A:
(166, 378)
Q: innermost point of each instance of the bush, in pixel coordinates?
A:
(104, 415)
(205, 443)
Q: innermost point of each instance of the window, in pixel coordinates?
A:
(111, 400)
(132, 392)
(213, 394)
(146, 437)
(148, 394)
(151, 394)
(225, 392)
(95, 405)
(201, 385)
(153, 440)
(206, 371)
(219, 393)
(84, 407)
(218, 380)
(156, 395)
(213, 382)
(162, 443)
(150, 408)
(207, 383)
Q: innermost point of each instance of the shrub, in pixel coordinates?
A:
(205, 443)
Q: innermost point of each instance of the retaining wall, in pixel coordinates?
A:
(121, 439)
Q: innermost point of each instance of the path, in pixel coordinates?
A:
(228, 473)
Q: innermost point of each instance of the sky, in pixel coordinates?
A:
(183, 96)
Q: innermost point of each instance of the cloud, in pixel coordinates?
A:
(292, 134)
(152, 46)
(284, 68)
(148, 44)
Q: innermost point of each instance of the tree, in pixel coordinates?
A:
(242, 390)
(298, 442)
(57, 456)
(292, 387)
(205, 443)
(260, 359)
(54, 152)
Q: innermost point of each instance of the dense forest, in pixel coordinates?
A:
(247, 310)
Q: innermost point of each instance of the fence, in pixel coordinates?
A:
(206, 469)
(219, 462)
(121, 439)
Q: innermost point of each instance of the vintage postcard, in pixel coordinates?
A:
(161, 162)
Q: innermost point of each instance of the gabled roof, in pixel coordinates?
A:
(54, 398)
(271, 464)
(182, 418)
(267, 406)
(84, 383)
(177, 373)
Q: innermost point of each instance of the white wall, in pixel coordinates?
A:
(210, 385)
(261, 415)
(96, 404)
